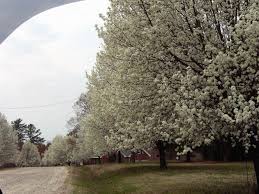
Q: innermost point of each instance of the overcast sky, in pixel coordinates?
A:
(44, 62)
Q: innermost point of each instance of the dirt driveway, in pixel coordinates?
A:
(47, 180)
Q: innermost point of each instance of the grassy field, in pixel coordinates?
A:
(180, 178)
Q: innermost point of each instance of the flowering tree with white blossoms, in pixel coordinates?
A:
(156, 79)
(222, 102)
(89, 142)
(56, 153)
(61, 151)
(137, 92)
(8, 142)
(95, 124)
(29, 156)
(70, 148)
(150, 48)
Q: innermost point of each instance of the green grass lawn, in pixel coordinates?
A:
(180, 178)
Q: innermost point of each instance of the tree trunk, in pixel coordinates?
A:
(133, 157)
(256, 165)
(188, 157)
(119, 157)
(99, 160)
(255, 156)
(161, 148)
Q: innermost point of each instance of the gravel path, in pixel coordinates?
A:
(49, 180)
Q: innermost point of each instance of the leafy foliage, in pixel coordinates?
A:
(27, 133)
(20, 129)
(33, 135)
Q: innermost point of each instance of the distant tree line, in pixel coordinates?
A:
(20, 144)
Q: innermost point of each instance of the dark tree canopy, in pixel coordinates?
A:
(27, 132)
(34, 135)
(20, 129)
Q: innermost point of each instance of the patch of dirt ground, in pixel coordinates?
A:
(42, 180)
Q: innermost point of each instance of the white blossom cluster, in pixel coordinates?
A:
(223, 103)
